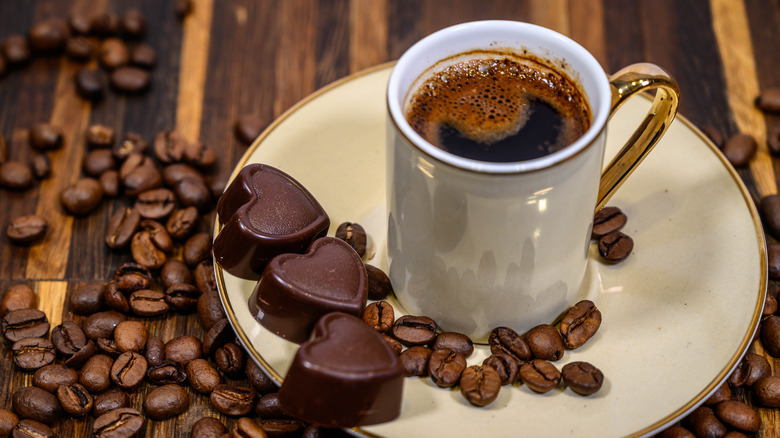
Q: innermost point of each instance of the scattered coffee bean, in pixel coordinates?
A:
(26, 229)
(99, 136)
(248, 127)
(132, 143)
(182, 223)
(40, 166)
(130, 79)
(580, 323)
(128, 370)
(582, 377)
(121, 227)
(8, 420)
(249, 428)
(196, 249)
(703, 422)
(155, 351)
(615, 247)
(79, 48)
(108, 401)
(193, 192)
(206, 282)
(169, 147)
(183, 349)
(231, 360)
(396, 346)
(445, 367)
(95, 375)
(18, 296)
(268, 406)
(217, 336)
(102, 324)
(47, 37)
(545, 342)
(415, 360)
(770, 335)
(182, 297)
(505, 365)
(166, 401)
(231, 400)
(33, 353)
(15, 175)
(282, 427)
(210, 309)
(209, 427)
(757, 368)
(767, 391)
(676, 432)
(108, 347)
(51, 376)
(714, 135)
(414, 330)
(506, 341)
(202, 376)
(379, 315)
(738, 415)
(723, 392)
(773, 260)
(15, 50)
(155, 203)
(456, 342)
(769, 100)
(87, 299)
(607, 220)
(167, 372)
(133, 23)
(3, 68)
(32, 429)
(36, 404)
(480, 385)
(98, 161)
(146, 302)
(130, 336)
(68, 338)
(354, 235)
(82, 197)
(131, 277)
(539, 375)
(109, 180)
(80, 357)
(105, 24)
(259, 379)
(770, 211)
(175, 173)
(79, 24)
(75, 399)
(146, 252)
(144, 56)
(739, 149)
(90, 84)
(45, 136)
(118, 423)
(175, 272)
(24, 323)
(379, 286)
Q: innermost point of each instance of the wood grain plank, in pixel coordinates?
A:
(294, 66)
(730, 23)
(586, 22)
(622, 27)
(192, 75)
(552, 14)
(368, 39)
(334, 24)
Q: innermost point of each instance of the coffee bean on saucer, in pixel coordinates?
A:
(457, 342)
(79, 48)
(396, 346)
(33, 353)
(248, 127)
(414, 330)
(75, 399)
(769, 100)
(580, 323)
(36, 404)
(379, 286)
(379, 315)
(739, 149)
(40, 166)
(48, 36)
(210, 427)
(90, 83)
(445, 367)
(582, 377)
(16, 50)
(25, 229)
(133, 23)
(130, 79)
(18, 296)
(507, 341)
(539, 375)
(108, 401)
(415, 360)
(607, 220)
(615, 247)
(354, 235)
(506, 366)
(480, 385)
(15, 175)
(738, 415)
(24, 323)
(45, 136)
(545, 342)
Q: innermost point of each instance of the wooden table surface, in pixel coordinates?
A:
(233, 57)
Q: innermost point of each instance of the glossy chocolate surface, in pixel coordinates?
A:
(297, 289)
(345, 376)
(265, 212)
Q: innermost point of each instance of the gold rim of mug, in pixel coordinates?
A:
(673, 417)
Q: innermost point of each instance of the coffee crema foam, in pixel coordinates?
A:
(503, 107)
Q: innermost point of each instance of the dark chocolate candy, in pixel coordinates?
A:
(265, 213)
(297, 289)
(345, 376)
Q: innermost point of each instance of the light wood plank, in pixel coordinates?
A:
(587, 27)
(295, 69)
(368, 39)
(553, 14)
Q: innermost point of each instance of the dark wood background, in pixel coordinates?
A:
(232, 57)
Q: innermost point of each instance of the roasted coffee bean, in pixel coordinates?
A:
(415, 360)
(615, 247)
(144, 56)
(115, 298)
(155, 351)
(24, 323)
(202, 376)
(177, 172)
(394, 345)
(45, 136)
(146, 252)
(8, 420)
(773, 260)
(26, 229)
(200, 155)
(210, 309)
(130, 336)
(505, 365)
(767, 391)
(175, 272)
(33, 353)
(607, 220)
(773, 138)
(676, 432)
(36, 404)
(48, 36)
(50, 377)
(507, 341)
(114, 53)
(231, 360)
(259, 379)
(79, 48)
(545, 342)
(166, 401)
(32, 429)
(209, 427)
(87, 299)
(196, 249)
(182, 223)
(217, 336)
(132, 23)
(166, 372)
(582, 377)
(757, 368)
(414, 330)
(121, 227)
(108, 347)
(98, 161)
(231, 400)
(90, 84)
(74, 399)
(68, 338)
(108, 401)
(738, 415)
(354, 235)
(248, 127)
(714, 135)
(445, 367)
(146, 302)
(379, 315)
(739, 149)
(182, 297)
(770, 335)
(722, 393)
(279, 428)
(40, 166)
(580, 323)
(539, 375)
(3, 69)
(99, 136)
(15, 175)
(128, 370)
(131, 277)
(769, 100)
(130, 79)
(248, 428)
(183, 349)
(132, 143)
(109, 180)
(739, 375)
(119, 423)
(15, 50)
(379, 286)
(105, 24)
(193, 192)
(102, 324)
(155, 203)
(95, 375)
(80, 357)
(3, 143)
(169, 147)
(18, 296)
(82, 196)
(207, 283)
(770, 210)
(480, 385)
(268, 406)
(158, 235)
(456, 342)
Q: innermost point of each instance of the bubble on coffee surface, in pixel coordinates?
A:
(503, 109)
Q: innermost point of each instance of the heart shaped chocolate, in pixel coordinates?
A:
(297, 289)
(345, 376)
(265, 213)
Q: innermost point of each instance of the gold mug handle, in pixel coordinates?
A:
(624, 84)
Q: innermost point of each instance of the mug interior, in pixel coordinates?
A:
(562, 54)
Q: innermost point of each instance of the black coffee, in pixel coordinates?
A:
(498, 107)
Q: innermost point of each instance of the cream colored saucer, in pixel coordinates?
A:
(677, 315)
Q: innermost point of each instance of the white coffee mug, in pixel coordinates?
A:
(476, 245)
